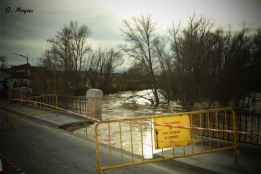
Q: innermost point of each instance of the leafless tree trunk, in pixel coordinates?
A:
(139, 34)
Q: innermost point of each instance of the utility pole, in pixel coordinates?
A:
(27, 76)
(27, 62)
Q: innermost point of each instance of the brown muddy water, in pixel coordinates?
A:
(131, 137)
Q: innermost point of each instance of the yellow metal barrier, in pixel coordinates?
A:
(135, 141)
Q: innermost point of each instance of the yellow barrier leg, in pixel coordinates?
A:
(98, 166)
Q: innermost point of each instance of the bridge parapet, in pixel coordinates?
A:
(75, 105)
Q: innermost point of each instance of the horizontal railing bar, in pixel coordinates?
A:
(58, 108)
(122, 165)
(173, 114)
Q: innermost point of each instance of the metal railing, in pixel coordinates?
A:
(75, 105)
(134, 141)
(250, 124)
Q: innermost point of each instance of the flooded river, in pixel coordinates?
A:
(123, 104)
(137, 139)
(128, 105)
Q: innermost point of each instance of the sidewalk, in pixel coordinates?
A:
(223, 162)
(56, 119)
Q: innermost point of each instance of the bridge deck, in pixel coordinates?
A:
(39, 149)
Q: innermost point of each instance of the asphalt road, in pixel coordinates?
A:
(36, 148)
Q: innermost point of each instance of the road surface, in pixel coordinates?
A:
(36, 148)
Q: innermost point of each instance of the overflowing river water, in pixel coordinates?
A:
(140, 138)
(131, 104)
(128, 105)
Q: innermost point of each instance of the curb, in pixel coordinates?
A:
(30, 117)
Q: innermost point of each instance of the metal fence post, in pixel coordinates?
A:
(235, 134)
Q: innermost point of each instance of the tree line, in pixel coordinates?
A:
(75, 65)
(193, 63)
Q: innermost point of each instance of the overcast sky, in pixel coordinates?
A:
(27, 33)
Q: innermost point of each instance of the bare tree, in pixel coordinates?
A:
(101, 65)
(193, 52)
(67, 54)
(69, 47)
(166, 64)
(139, 33)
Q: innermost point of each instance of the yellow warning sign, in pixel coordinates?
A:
(171, 131)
